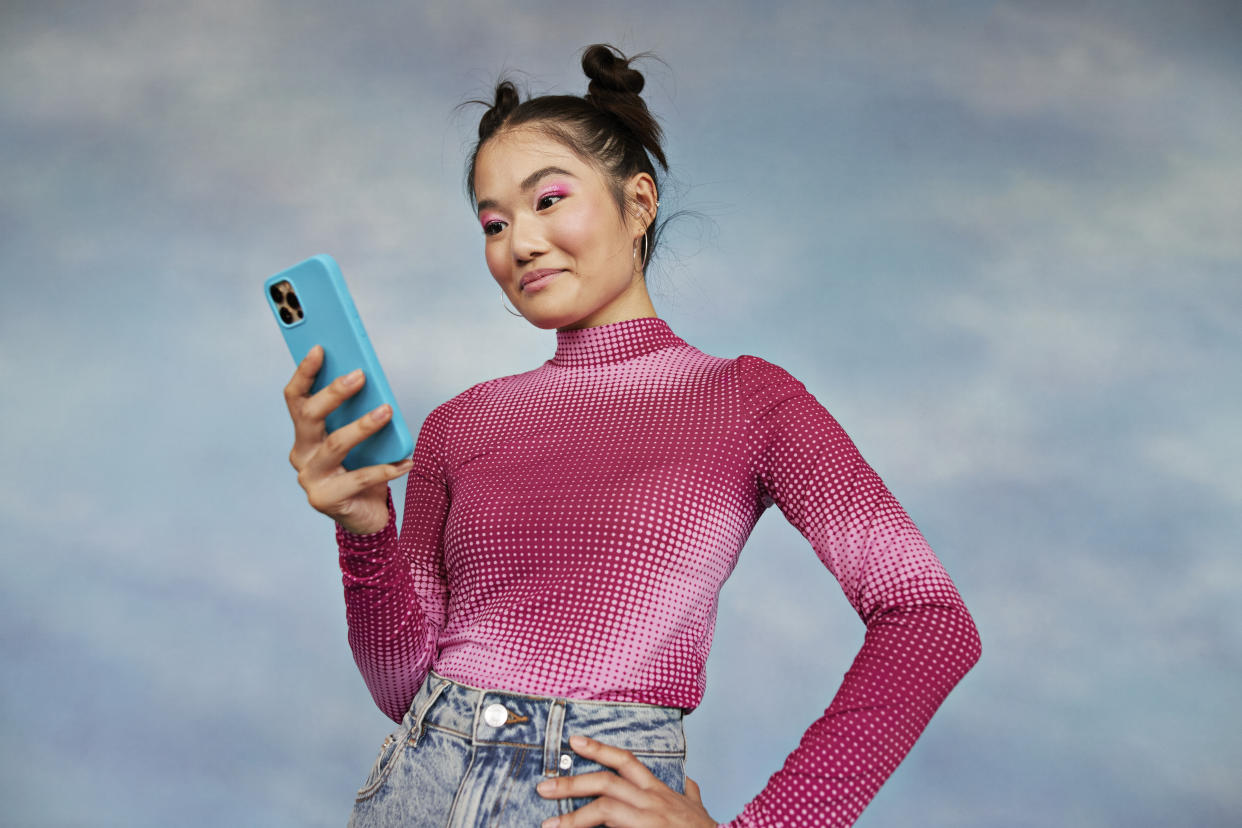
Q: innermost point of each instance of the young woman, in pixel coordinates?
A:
(541, 623)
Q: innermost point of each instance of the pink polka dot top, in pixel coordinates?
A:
(567, 531)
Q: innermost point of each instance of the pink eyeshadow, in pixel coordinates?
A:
(556, 190)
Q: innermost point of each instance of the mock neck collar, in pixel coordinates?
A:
(613, 342)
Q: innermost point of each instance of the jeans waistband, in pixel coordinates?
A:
(499, 717)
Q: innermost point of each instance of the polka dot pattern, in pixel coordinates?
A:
(567, 532)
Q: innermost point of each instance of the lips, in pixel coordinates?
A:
(538, 274)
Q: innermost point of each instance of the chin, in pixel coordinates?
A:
(547, 319)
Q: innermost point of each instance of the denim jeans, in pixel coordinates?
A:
(465, 757)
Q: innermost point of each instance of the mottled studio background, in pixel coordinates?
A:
(1000, 241)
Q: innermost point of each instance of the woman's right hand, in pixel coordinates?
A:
(357, 499)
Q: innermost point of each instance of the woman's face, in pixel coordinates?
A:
(555, 240)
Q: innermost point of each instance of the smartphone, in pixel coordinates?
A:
(313, 307)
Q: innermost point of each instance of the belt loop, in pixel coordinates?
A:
(552, 741)
(416, 727)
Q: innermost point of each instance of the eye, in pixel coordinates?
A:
(491, 228)
(549, 198)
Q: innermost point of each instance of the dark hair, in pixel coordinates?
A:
(610, 127)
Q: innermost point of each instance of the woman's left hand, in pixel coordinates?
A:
(630, 798)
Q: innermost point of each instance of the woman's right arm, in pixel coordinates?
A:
(395, 590)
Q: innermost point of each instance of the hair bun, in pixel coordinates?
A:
(610, 72)
(615, 88)
(505, 100)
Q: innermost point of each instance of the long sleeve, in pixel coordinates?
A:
(395, 587)
(920, 640)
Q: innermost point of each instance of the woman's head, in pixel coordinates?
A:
(601, 144)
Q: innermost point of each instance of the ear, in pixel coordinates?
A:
(642, 198)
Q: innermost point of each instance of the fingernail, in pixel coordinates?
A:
(551, 823)
(353, 377)
(544, 787)
(577, 741)
(380, 413)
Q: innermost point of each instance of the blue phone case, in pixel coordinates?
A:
(325, 315)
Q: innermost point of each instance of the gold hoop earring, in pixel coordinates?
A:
(505, 305)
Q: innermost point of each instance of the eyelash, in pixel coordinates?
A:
(494, 226)
(558, 194)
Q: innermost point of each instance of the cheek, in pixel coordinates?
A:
(582, 231)
(496, 259)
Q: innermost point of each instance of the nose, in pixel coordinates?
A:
(527, 238)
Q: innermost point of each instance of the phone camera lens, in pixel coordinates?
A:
(286, 316)
(277, 296)
(292, 299)
(300, 314)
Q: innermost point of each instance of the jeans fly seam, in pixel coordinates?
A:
(465, 778)
(514, 765)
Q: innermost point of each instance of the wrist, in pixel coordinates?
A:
(362, 529)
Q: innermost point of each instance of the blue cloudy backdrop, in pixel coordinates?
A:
(1000, 241)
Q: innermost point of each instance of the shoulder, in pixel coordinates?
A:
(483, 394)
(466, 398)
(762, 381)
(758, 369)
(777, 402)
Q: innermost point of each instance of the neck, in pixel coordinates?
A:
(613, 342)
(634, 303)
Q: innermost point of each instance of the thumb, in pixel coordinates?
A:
(692, 790)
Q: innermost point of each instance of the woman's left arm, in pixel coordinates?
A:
(911, 657)
(920, 638)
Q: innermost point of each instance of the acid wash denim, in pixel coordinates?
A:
(465, 757)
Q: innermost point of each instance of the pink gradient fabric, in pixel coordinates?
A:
(567, 531)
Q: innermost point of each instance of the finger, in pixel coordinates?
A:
(602, 811)
(331, 493)
(323, 402)
(692, 790)
(332, 450)
(310, 419)
(303, 378)
(598, 783)
(619, 759)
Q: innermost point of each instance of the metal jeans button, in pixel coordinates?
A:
(567, 761)
(495, 715)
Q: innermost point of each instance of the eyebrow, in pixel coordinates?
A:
(527, 183)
